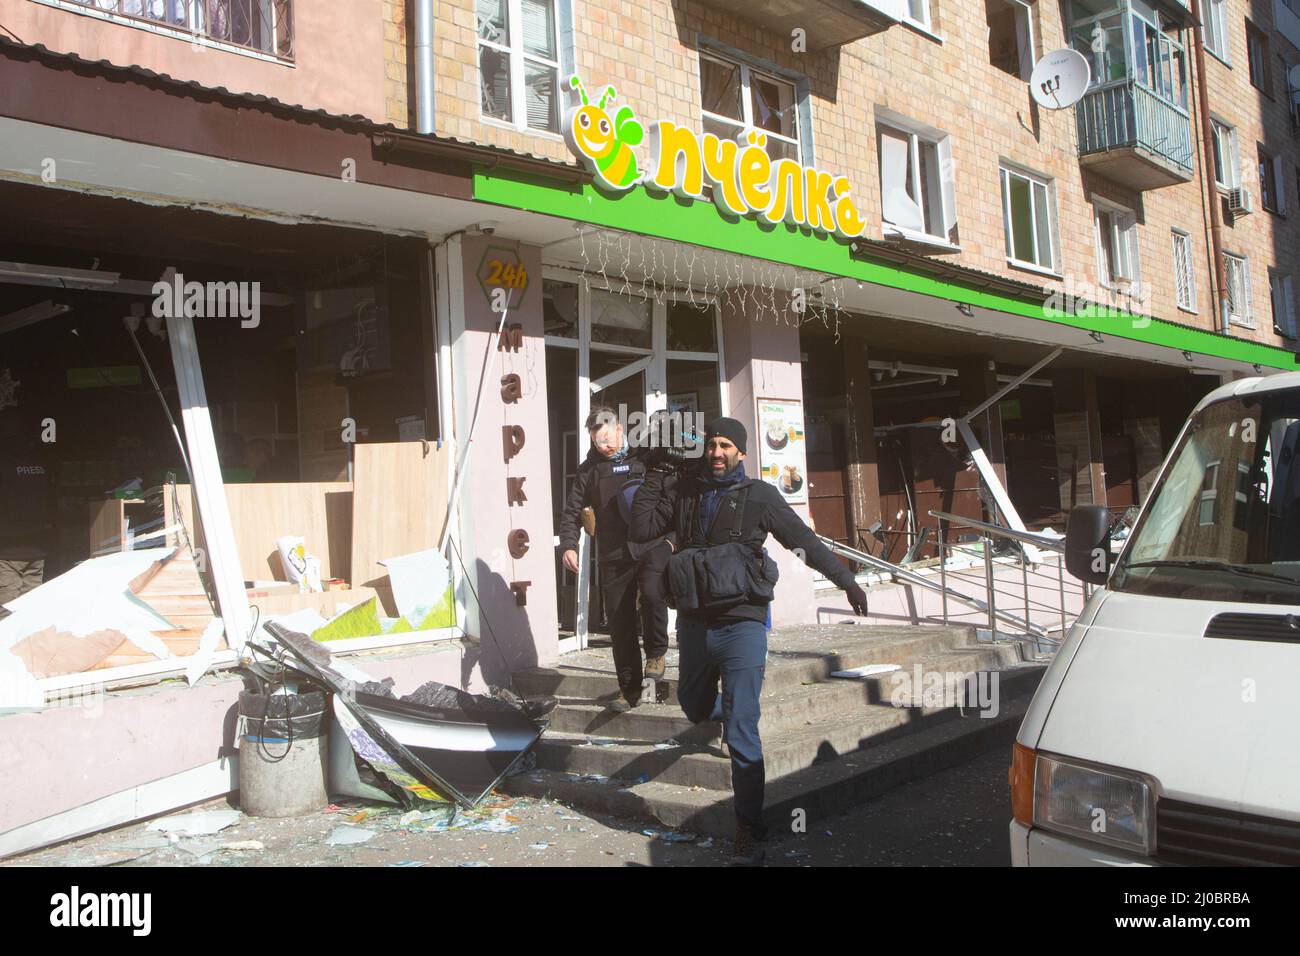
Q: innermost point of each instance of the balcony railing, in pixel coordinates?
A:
(1130, 117)
(262, 25)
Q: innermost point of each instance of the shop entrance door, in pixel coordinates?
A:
(635, 355)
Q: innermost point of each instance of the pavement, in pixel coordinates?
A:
(957, 817)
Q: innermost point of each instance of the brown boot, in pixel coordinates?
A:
(654, 668)
(749, 849)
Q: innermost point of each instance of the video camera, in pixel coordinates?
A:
(674, 450)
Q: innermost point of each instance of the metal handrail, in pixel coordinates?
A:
(1042, 541)
(911, 577)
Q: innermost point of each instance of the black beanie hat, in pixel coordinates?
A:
(728, 428)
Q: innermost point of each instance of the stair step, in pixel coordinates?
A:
(785, 707)
(788, 748)
(820, 791)
(787, 667)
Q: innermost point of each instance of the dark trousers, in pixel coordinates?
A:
(736, 653)
(618, 588)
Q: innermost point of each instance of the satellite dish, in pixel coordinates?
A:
(1293, 79)
(1060, 79)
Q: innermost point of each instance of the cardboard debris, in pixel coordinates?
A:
(124, 608)
(51, 652)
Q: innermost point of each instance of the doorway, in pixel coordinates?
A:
(637, 355)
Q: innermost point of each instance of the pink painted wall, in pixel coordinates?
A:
(338, 65)
(762, 361)
(65, 757)
(511, 637)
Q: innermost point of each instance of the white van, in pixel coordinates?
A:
(1167, 730)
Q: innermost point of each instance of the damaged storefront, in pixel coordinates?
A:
(326, 378)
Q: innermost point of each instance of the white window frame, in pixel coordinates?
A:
(1025, 39)
(1281, 286)
(1279, 206)
(747, 101)
(922, 18)
(1214, 29)
(1006, 171)
(1122, 238)
(518, 58)
(1233, 261)
(1210, 494)
(1232, 162)
(939, 187)
(1184, 271)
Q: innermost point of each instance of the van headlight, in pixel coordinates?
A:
(1094, 803)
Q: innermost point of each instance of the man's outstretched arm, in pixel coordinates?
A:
(794, 535)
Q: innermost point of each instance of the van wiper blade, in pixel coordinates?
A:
(1215, 566)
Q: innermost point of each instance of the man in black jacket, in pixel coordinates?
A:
(607, 468)
(719, 506)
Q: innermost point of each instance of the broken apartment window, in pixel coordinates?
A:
(916, 184)
(1011, 36)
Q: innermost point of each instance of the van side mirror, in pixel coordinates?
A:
(1087, 548)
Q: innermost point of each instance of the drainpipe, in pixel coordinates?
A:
(1207, 165)
(424, 66)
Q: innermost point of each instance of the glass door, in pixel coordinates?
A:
(637, 356)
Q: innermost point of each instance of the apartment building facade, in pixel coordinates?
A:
(447, 253)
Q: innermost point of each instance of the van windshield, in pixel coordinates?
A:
(1224, 521)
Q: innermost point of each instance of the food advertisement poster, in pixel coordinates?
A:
(782, 448)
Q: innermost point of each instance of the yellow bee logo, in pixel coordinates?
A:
(605, 144)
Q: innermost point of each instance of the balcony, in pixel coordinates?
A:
(261, 26)
(1129, 134)
(826, 23)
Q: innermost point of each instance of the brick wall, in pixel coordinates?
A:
(396, 85)
(648, 50)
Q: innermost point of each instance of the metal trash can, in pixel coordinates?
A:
(283, 746)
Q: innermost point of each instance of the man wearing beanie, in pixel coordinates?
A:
(721, 581)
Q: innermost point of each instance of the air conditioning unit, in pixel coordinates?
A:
(1240, 202)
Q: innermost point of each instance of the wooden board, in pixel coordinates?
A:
(172, 587)
(399, 502)
(287, 600)
(261, 512)
(322, 406)
(106, 526)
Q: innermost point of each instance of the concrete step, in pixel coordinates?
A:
(789, 745)
(811, 795)
(785, 707)
(787, 667)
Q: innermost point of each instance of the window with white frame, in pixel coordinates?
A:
(1011, 36)
(1208, 510)
(1237, 274)
(735, 96)
(1184, 271)
(1225, 155)
(1214, 26)
(1272, 185)
(918, 12)
(1282, 293)
(1117, 244)
(519, 63)
(917, 192)
(1029, 219)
